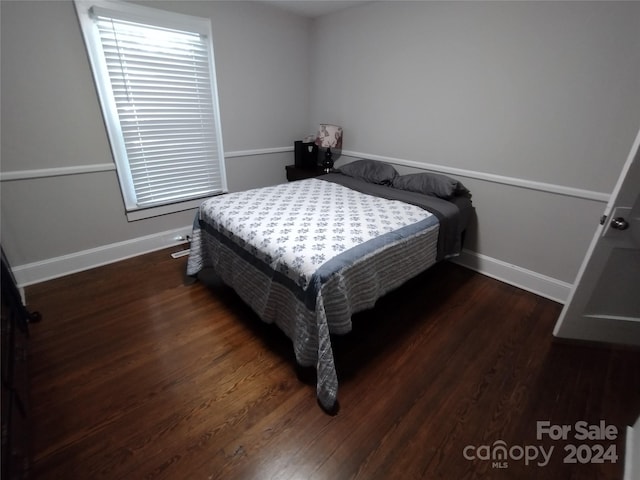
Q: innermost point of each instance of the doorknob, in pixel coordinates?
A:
(619, 223)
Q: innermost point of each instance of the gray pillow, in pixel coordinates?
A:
(432, 184)
(370, 171)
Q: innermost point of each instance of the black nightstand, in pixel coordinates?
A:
(297, 173)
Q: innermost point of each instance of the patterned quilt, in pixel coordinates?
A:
(307, 254)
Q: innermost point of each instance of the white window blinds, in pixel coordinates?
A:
(162, 109)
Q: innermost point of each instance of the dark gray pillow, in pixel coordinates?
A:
(370, 171)
(431, 184)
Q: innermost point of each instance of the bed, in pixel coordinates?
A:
(306, 255)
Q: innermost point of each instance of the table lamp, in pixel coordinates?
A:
(329, 136)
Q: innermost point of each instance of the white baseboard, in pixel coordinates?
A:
(37, 272)
(529, 280)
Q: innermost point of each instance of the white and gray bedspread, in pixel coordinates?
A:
(306, 255)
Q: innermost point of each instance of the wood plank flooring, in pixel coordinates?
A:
(136, 374)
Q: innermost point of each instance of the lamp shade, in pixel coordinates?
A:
(329, 136)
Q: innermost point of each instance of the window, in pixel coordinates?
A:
(155, 77)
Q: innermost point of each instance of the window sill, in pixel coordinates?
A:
(143, 213)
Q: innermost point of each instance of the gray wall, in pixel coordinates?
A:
(51, 119)
(545, 92)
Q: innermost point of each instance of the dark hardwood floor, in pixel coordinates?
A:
(136, 374)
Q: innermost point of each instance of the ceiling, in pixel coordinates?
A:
(314, 8)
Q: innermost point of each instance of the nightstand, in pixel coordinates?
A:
(297, 173)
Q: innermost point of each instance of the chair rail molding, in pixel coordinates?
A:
(489, 177)
(55, 172)
(31, 174)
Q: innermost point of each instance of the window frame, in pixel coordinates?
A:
(160, 18)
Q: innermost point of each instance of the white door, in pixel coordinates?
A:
(604, 303)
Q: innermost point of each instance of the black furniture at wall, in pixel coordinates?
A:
(15, 384)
